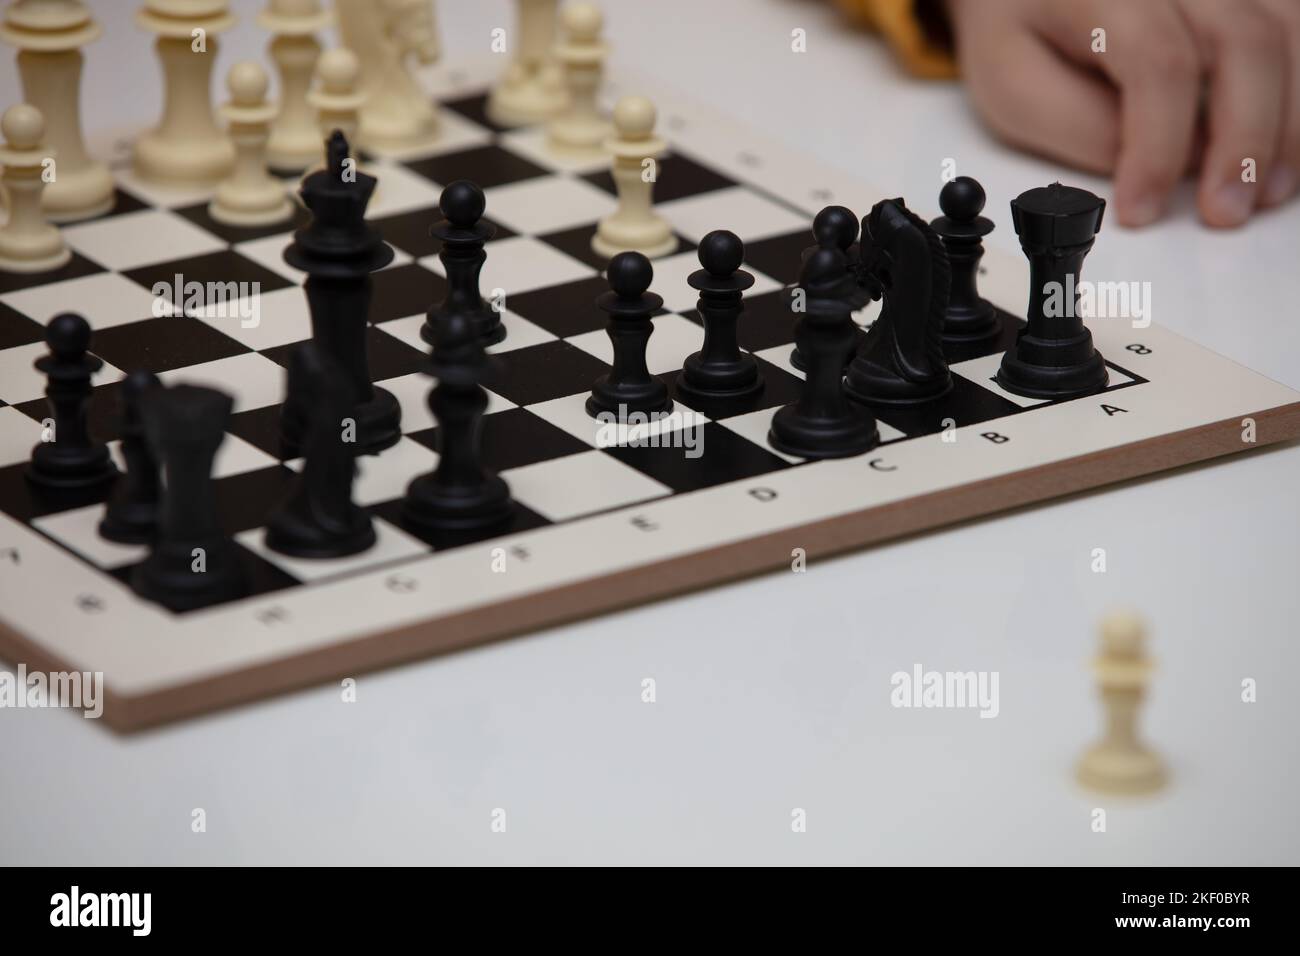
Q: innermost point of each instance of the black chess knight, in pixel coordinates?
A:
(338, 250)
(1053, 356)
(901, 360)
(463, 235)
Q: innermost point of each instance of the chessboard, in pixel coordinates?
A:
(604, 520)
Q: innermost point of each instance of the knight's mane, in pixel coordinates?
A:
(940, 276)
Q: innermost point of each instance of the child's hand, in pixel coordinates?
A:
(1135, 109)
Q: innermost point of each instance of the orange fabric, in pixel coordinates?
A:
(900, 23)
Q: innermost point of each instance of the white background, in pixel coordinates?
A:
(774, 694)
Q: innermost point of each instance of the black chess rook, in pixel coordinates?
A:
(338, 250)
(463, 235)
(193, 563)
(67, 457)
(1053, 356)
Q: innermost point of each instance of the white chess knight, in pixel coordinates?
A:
(634, 225)
(399, 116)
(295, 137)
(186, 148)
(579, 130)
(530, 90)
(27, 242)
(249, 196)
(49, 35)
(1120, 762)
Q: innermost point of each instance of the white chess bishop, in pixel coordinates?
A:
(634, 225)
(580, 131)
(530, 90)
(295, 138)
(27, 242)
(49, 35)
(250, 196)
(399, 116)
(186, 148)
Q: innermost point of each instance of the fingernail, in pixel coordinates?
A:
(1231, 203)
(1281, 184)
(1142, 211)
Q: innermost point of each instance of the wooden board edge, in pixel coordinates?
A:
(694, 571)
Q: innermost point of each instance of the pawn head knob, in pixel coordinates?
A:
(721, 253)
(23, 126)
(630, 274)
(962, 199)
(835, 227)
(68, 335)
(247, 83)
(462, 203)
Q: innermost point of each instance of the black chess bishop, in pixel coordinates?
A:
(193, 563)
(823, 423)
(319, 518)
(1053, 356)
(901, 360)
(629, 387)
(463, 235)
(460, 495)
(968, 319)
(67, 457)
(720, 371)
(132, 513)
(339, 250)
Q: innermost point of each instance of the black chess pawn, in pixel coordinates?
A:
(1053, 356)
(629, 386)
(901, 360)
(823, 423)
(968, 319)
(193, 563)
(459, 495)
(720, 370)
(835, 227)
(132, 513)
(67, 457)
(319, 518)
(463, 235)
(338, 250)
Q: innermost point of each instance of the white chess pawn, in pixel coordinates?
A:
(186, 148)
(249, 196)
(400, 116)
(295, 135)
(336, 98)
(27, 242)
(1120, 762)
(580, 130)
(634, 225)
(530, 90)
(49, 35)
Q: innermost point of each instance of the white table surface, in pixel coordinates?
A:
(773, 694)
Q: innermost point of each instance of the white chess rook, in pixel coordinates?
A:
(49, 35)
(399, 116)
(580, 130)
(634, 225)
(250, 196)
(295, 136)
(27, 242)
(186, 148)
(530, 89)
